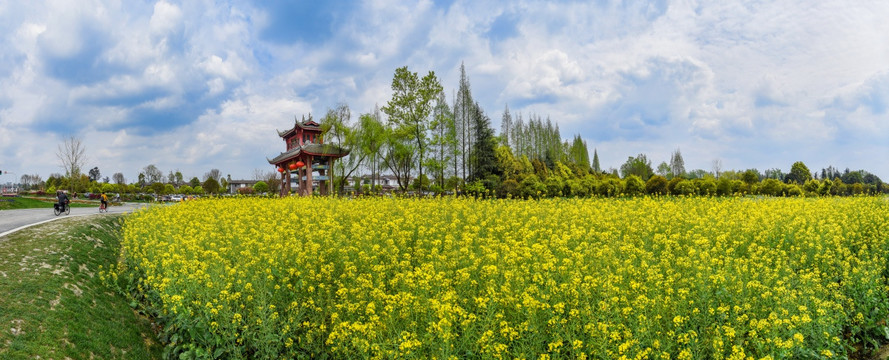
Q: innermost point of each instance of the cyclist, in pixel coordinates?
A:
(104, 199)
(63, 199)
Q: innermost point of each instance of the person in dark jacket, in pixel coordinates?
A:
(63, 199)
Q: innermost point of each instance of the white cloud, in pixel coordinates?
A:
(185, 85)
(166, 18)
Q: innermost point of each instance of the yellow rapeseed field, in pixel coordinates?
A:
(636, 278)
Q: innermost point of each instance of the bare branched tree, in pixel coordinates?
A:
(119, 179)
(259, 174)
(717, 167)
(214, 174)
(153, 174)
(72, 156)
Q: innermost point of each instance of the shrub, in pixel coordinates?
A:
(261, 187)
(610, 187)
(634, 186)
(724, 187)
(684, 187)
(510, 188)
(671, 185)
(706, 187)
(656, 185)
(532, 187)
(771, 187)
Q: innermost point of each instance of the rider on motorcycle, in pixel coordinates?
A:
(63, 199)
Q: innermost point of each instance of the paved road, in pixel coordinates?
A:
(12, 220)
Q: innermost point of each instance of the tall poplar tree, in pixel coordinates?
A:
(506, 126)
(596, 168)
(443, 137)
(677, 164)
(463, 113)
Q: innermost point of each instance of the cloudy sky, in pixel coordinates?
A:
(196, 85)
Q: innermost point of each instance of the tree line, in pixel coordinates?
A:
(431, 145)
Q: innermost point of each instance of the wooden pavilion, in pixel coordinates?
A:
(306, 154)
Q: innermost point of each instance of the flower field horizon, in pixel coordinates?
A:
(656, 278)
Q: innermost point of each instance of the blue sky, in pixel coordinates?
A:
(204, 84)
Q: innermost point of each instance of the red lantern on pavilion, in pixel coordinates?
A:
(280, 170)
(300, 164)
(293, 166)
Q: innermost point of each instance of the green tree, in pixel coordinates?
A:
(799, 173)
(507, 163)
(261, 187)
(108, 188)
(211, 186)
(399, 158)
(443, 139)
(194, 182)
(505, 126)
(596, 168)
(483, 157)
(776, 174)
(410, 107)
(338, 131)
(463, 104)
(639, 166)
(371, 141)
(663, 169)
(750, 176)
(579, 153)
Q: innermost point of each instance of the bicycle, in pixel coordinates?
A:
(103, 208)
(64, 208)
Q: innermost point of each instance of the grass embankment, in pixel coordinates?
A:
(53, 303)
(8, 203)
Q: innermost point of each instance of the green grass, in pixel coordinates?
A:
(7, 203)
(53, 304)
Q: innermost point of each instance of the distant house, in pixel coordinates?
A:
(234, 185)
(387, 183)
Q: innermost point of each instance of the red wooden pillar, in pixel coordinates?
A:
(283, 185)
(309, 185)
(286, 186)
